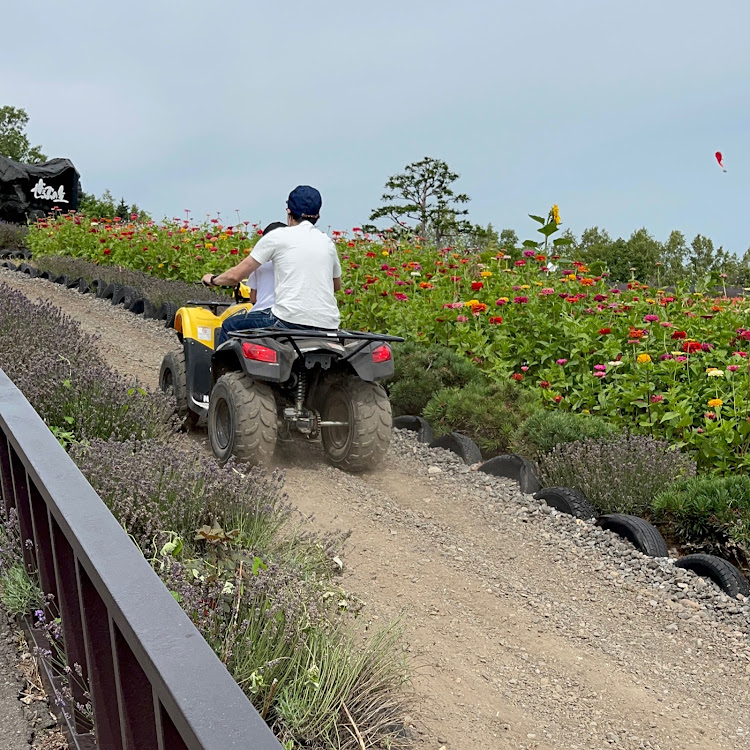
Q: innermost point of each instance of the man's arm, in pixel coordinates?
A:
(337, 284)
(234, 275)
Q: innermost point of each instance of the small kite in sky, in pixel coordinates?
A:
(720, 159)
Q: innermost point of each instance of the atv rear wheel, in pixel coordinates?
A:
(173, 382)
(242, 420)
(363, 441)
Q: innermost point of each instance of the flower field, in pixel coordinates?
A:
(668, 363)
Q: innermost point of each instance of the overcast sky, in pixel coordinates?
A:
(613, 110)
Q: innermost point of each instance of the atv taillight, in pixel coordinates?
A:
(259, 353)
(381, 354)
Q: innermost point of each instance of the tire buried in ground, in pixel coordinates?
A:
(461, 445)
(725, 575)
(513, 466)
(566, 500)
(415, 424)
(242, 420)
(167, 313)
(643, 535)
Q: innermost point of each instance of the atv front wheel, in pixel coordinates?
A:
(362, 441)
(242, 420)
(173, 380)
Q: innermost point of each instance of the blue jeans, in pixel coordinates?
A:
(244, 321)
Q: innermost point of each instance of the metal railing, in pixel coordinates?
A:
(153, 682)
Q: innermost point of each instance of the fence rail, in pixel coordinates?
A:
(154, 683)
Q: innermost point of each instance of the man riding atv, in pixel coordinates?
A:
(306, 269)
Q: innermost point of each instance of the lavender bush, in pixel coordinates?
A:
(12, 235)
(617, 475)
(157, 290)
(58, 369)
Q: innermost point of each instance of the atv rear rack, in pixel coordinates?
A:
(312, 333)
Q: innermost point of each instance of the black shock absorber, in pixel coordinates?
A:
(301, 388)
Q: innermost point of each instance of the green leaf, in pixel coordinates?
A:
(69, 420)
(530, 243)
(562, 241)
(548, 229)
(258, 565)
(177, 596)
(670, 416)
(66, 383)
(639, 402)
(538, 218)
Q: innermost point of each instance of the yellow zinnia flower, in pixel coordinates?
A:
(486, 274)
(643, 359)
(715, 402)
(715, 373)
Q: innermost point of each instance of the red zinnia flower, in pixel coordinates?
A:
(517, 376)
(679, 335)
(107, 251)
(691, 346)
(476, 285)
(557, 399)
(605, 331)
(544, 383)
(496, 320)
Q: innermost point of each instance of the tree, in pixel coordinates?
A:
(674, 255)
(421, 200)
(702, 256)
(14, 143)
(508, 239)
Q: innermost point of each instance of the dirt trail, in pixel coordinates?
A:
(519, 636)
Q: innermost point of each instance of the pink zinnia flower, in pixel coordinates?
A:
(348, 291)
(528, 253)
(546, 291)
(524, 368)
(462, 319)
(520, 263)
(501, 302)
(666, 356)
(600, 374)
(657, 398)
(562, 362)
(733, 368)
(400, 296)
(600, 368)
(600, 297)
(520, 300)
(651, 318)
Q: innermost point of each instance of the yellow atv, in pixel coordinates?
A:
(260, 381)
(185, 373)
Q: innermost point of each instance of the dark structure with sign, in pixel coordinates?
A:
(30, 191)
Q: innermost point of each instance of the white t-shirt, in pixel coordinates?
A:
(305, 263)
(262, 281)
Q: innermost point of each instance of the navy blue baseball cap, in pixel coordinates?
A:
(305, 201)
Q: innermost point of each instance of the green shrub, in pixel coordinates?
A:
(543, 430)
(488, 413)
(709, 513)
(421, 371)
(617, 474)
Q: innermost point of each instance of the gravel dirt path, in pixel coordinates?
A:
(526, 628)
